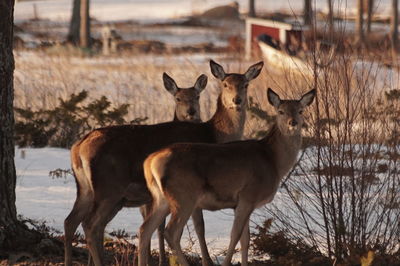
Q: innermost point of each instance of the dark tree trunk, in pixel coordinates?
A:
(85, 24)
(394, 28)
(252, 9)
(330, 18)
(79, 27)
(13, 235)
(307, 12)
(8, 216)
(370, 7)
(360, 22)
(74, 25)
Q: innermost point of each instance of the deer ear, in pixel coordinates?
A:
(308, 98)
(217, 70)
(273, 98)
(170, 84)
(201, 83)
(254, 71)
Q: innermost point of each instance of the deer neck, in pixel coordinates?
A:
(285, 149)
(228, 124)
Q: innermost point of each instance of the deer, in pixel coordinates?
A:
(187, 105)
(241, 175)
(108, 162)
(187, 108)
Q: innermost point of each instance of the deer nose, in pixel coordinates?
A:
(237, 100)
(191, 111)
(293, 123)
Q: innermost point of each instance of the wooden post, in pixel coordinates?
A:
(35, 12)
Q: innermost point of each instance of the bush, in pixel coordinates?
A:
(67, 122)
(284, 250)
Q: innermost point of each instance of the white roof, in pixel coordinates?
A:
(273, 23)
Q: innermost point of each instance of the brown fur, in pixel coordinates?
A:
(242, 175)
(109, 165)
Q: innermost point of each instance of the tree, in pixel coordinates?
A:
(252, 11)
(394, 28)
(74, 25)
(307, 12)
(79, 27)
(85, 24)
(330, 18)
(370, 6)
(360, 40)
(13, 234)
(7, 168)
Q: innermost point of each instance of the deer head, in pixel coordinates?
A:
(187, 100)
(234, 86)
(289, 117)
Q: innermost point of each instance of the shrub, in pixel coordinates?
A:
(62, 125)
(284, 250)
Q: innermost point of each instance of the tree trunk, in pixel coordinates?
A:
(370, 7)
(307, 12)
(73, 33)
(8, 213)
(252, 10)
(330, 19)
(13, 234)
(394, 28)
(85, 24)
(359, 23)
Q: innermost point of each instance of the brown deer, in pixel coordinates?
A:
(187, 108)
(108, 162)
(242, 175)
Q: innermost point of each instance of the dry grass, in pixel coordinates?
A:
(41, 79)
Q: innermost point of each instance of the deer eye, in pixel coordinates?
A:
(225, 85)
(178, 99)
(281, 112)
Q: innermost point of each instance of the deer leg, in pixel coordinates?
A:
(161, 244)
(71, 223)
(198, 222)
(174, 230)
(242, 215)
(244, 244)
(95, 225)
(86, 231)
(145, 211)
(150, 224)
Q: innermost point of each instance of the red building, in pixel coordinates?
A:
(282, 32)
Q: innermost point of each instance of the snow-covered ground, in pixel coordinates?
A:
(42, 198)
